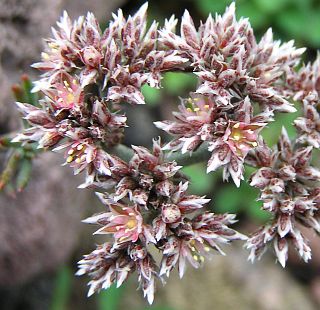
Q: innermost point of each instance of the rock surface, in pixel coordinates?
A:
(39, 229)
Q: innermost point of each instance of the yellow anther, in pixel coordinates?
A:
(66, 84)
(193, 248)
(70, 98)
(71, 151)
(80, 147)
(201, 259)
(78, 160)
(207, 106)
(195, 257)
(69, 159)
(237, 125)
(189, 100)
(45, 56)
(189, 110)
(131, 223)
(53, 45)
(207, 249)
(74, 81)
(236, 137)
(254, 144)
(196, 109)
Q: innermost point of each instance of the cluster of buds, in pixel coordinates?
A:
(89, 74)
(289, 190)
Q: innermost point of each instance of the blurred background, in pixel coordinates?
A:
(41, 235)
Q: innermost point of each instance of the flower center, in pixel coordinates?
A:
(132, 223)
(77, 154)
(242, 136)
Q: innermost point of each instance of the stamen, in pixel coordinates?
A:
(237, 125)
(45, 56)
(80, 147)
(195, 257)
(69, 159)
(207, 107)
(207, 249)
(78, 160)
(196, 109)
(71, 151)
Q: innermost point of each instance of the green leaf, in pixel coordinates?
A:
(27, 86)
(110, 299)
(272, 132)
(271, 6)
(256, 213)
(24, 174)
(200, 181)
(290, 22)
(152, 95)
(177, 83)
(62, 289)
(258, 18)
(228, 199)
(211, 6)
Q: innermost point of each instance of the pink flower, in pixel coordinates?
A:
(124, 223)
(67, 93)
(241, 137)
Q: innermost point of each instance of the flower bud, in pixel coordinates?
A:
(90, 56)
(170, 213)
(138, 252)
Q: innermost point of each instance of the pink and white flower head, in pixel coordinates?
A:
(194, 123)
(66, 93)
(123, 222)
(241, 137)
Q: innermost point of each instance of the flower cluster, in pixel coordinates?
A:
(236, 73)
(304, 86)
(289, 190)
(230, 132)
(230, 64)
(147, 203)
(89, 74)
(121, 59)
(65, 120)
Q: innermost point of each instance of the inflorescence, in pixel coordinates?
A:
(88, 75)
